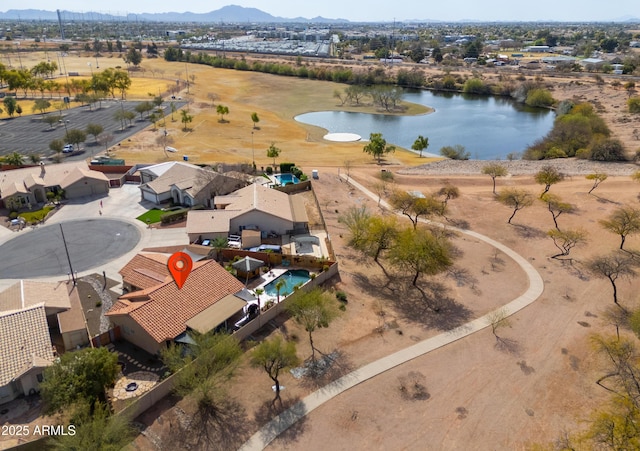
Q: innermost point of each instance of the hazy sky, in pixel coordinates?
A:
(368, 10)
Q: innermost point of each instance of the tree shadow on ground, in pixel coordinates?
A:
(413, 387)
(525, 231)
(374, 285)
(508, 346)
(575, 269)
(274, 416)
(459, 223)
(220, 426)
(429, 305)
(317, 376)
(462, 276)
(604, 200)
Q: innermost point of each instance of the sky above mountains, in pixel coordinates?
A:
(372, 11)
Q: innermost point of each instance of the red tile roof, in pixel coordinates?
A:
(163, 311)
(146, 270)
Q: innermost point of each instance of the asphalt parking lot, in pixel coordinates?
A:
(31, 135)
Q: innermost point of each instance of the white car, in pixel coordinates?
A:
(68, 148)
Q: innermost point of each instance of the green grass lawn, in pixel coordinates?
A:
(152, 216)
(36, 216)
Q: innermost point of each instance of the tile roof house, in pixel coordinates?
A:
(185, 184)
(155, 316)
(24, 186)
(252, 207)
(25, 348)
(145, 270)
(63, 308)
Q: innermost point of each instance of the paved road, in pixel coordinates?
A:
(30, 135)
(90, 243)
(282, 422)
(121, 206)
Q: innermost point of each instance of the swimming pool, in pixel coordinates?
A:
(286, 179)
(291, 278)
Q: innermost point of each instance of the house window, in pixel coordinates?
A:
(39, 377)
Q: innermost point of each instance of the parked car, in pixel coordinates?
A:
(68, 148)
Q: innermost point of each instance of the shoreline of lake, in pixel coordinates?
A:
(568, 166)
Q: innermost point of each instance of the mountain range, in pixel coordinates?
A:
(231, 13)
(226, 14)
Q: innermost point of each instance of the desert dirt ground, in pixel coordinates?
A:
(480, 392)
(527, 387)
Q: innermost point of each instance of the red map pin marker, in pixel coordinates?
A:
(180, 265)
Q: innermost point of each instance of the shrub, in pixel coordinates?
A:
(174, 216)
(608, 150)
(583, 154)
(456, 152)
(269, 170)
(555, 152)
(386, 175)
(341, 296)
(13, 215)
(564, 107)
(476, 86)
(539, 98)
(634, 105)
(286, 167)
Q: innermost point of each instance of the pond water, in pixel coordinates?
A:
(488, 127)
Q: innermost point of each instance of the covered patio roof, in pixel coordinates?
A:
(213, 316)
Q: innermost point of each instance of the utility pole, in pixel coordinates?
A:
(186, 68)
(66, 249)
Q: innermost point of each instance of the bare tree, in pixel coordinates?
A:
(497, 320)
(347, 164)
(613, 267)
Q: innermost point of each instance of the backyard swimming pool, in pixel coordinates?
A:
(285, 179)
(291, 278)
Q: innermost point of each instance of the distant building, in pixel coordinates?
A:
(538, 49)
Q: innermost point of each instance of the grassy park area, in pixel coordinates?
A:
(207, 138)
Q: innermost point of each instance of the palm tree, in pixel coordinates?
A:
(15, 159)
(258, 292)
(420, 144)
(279, 285)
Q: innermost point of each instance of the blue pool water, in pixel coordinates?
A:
(291, 278)
(285, 179)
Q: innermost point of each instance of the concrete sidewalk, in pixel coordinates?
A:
(286, 419)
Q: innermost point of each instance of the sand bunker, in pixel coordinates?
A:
(342, 137)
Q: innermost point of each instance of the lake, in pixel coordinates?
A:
(488, 127)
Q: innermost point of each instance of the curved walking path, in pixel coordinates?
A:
(282, 422)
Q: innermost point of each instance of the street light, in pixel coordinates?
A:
(97, 65)
(89, 64)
